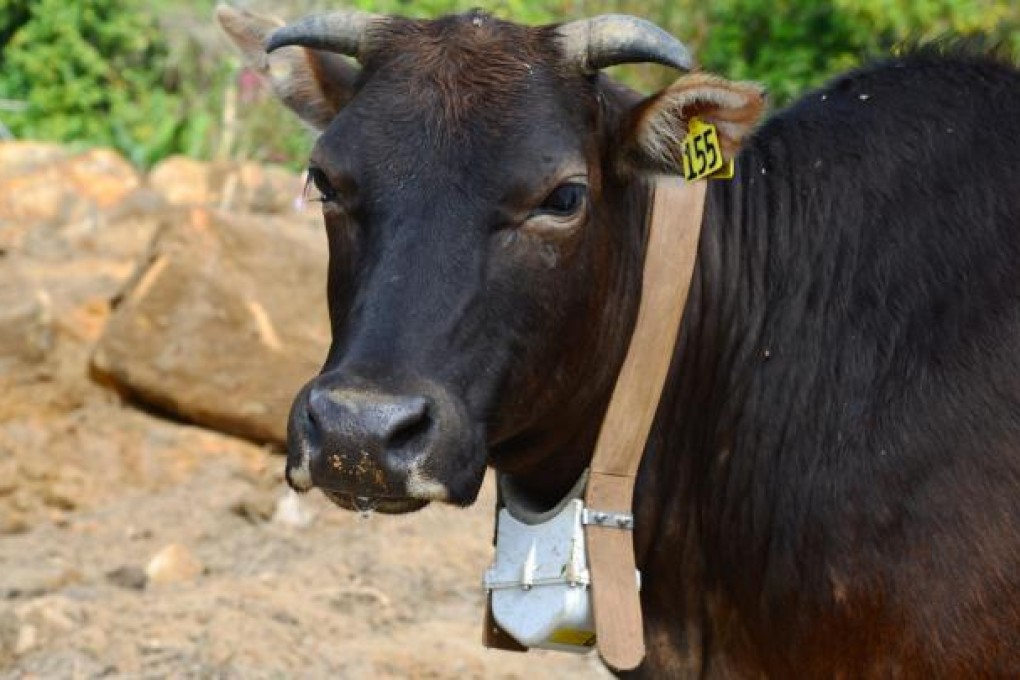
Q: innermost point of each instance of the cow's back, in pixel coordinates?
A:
(856, 453)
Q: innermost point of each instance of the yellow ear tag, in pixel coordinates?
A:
(703, 154)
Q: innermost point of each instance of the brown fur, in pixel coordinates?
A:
(449, 66)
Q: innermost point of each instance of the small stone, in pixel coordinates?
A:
(291, 511)
(8, 476)
(256, 507)
(128, 576)
(38, 581)
(61, 495)
(13, 522)
(28, 636)
(26, 323)
(52, 616)
(10, 630)
(134, 533)
(172, 564)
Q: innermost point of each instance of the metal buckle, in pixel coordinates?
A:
(614, 520)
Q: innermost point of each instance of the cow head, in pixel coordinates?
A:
(484, 194)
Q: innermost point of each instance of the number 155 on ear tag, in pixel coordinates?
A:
(703, 154)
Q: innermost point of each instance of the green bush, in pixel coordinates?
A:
(156, 77)
(791, 45)
(90, 72)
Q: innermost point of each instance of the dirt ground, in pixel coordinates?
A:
(253, 582)
(134, 546)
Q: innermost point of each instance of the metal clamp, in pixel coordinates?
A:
(615, 520)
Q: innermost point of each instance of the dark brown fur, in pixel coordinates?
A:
(461, 68)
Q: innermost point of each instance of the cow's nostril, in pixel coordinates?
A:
(357, 441)
(310, 426)
(317, 410)
(367, 420)
(408, 420)
(304, 444)
(408, 429)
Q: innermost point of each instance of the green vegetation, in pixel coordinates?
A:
(155, 78)
(100, 72)
(794, 44)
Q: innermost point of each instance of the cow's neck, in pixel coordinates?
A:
(716, 333)
(545, 463)
(547, 459)
(689, 437)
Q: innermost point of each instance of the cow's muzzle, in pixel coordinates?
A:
(371, 449)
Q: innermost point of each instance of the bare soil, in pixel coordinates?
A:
(263, 585)
(133, 546)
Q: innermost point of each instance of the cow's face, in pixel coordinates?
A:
(484, 211)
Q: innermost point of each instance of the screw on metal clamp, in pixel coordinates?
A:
(616, 520)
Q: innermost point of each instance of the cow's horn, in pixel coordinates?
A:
(612, 39)
(342, 32)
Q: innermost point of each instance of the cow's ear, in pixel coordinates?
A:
(656, 127)
(313, 84)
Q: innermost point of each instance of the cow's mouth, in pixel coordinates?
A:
(387, 506)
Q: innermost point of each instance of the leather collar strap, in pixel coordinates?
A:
(674, 229)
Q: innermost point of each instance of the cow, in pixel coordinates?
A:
(831, 486)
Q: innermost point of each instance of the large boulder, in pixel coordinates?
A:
(26, 320)
(247, 186)
(223, 322)
(73, 224)
(18, 156)
(80, 264)
(41, 183)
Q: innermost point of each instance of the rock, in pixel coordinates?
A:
(61, 495)
(56, 189)
(129, 577)
(291, 511)
(72, 225)
(18, 157)
(12, 522)
(26, 329)
(79, 260)
(83, 265)
(173, 564)
(61, 663)
(101, 175)
(244, 186)
(48, 617)
(28, 637)
(256, 506)
(40, 580)
(264, 188)
(119, 232)
(223, 323)
(10, 630)
(8, 473)
(182, 181)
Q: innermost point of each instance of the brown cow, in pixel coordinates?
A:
(832, 484)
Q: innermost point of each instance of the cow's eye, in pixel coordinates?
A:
(565, 200)
(326, 191)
